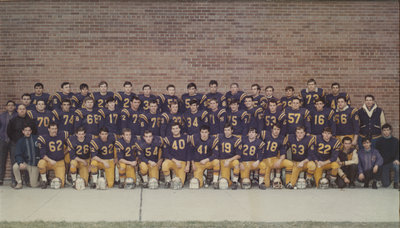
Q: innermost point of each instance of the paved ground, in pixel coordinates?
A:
(353, 205)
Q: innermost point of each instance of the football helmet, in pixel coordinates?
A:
(194, 183)
(246, 183)
(55, 183)
(301, 183)
(323, 183)
(129, 183)
(153, 183)
(101, 183)
(223, 184)
(80, 183)
(277, 183)
(176, 183)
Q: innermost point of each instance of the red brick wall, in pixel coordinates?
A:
(279, 44)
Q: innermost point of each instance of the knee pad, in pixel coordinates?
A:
(176, 183)
(55, 183)
(223, 184)
(194, 183)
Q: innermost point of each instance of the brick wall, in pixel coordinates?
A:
(271, 43)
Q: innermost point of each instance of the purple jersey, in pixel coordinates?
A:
(270, 119)
(177, 147)
(194, 121)
(42, 120)
(256, 118)
(321, 119)
(57, 98)
(100, 99)
(239, 121)
(151, 122)
(309, 97)
(150, 152)
(252, 151)
(295, 118)
(286, 102)
(331, 100)
(204, 149)
(64, 120)
(347, 121)
(274, 147)
(303, 149)
(326, 150)
(145, 101)
(110, 120)
(43, 96)
(260, 101)
(131, 119)
(53, 147)
(90, 120)
(77, 100)
(218, 96)
(186, 98)
(167, 119)
(123, 100)
(228, 147)
(79, 149)
(126, 150)
(240, 95)
(103, 150)
(216, 121)
(166, 99)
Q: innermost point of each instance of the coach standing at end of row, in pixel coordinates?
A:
(5, 145)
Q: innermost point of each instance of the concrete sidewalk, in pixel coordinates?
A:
(353, 205)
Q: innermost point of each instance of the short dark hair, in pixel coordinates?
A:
(296, 98)
(256, 85)
(319, 99)
(363, 140)
(273, 101)
(253, 129)
(327, 129)
(248, 97)
(289, 88)
(234, 101)
(66, 100)
(83, 86)
(38, 84)
(144, 86)
(127, 83)
(341, 97)
(109, 99)
(234, 83)
(213, 82)
(135, 98)
(277, 125)
(228, 125)
(347, 138)
(205, 127)
(37, 101)
(311, 80)
(335, 84)
(103, 129)
(147, 132)
(270, 87)
(194, 101)
(190, 85)
(369, 95)
(64, 84)
(26, 126)
(81, 128)
(124, 130)
(300, 128)
(10, 101)
(153, 102)
(53, 124)
(176, 124)
(170, 86)
(103, 83)
(26, 95)
(386, 125)
(173, 103)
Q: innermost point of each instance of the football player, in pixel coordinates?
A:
(103, 157)
(190, 95)
(150, 154)
(251, 157)
(126, 155)
(347, 121)
(348, 161)
(151, 119)
(302, 148)
(26, 100)
(101, 96)
(287, 100)
(275, 155)
(269, 95)
(124, 98)
(65, 93)
(297, 116)
(130, 118)
(258, 99)
(331, 99)
(79, 151)
(229, 149)
(42, 116)
(39, 95)
(326, 154)
(146, 98)
(194, 118)
(176, 153)
(88, 117)
(238, 119)
(77, 99)
(321, 117)
(52, 154)
(204, 155)
(214, 94)
(235, 94)
(216, 118)
(273, 116)
(110, 117)
(310, 94)
(170, 118)
(167, 99)
(255, 113)
(65, 117)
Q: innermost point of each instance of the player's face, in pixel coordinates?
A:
(234, 89)
(89, 104)
(319, 105)
(269, 92)
(84, 91)
(147, 91)
(300, 134)
(148, 138)
(175, 130)
(295, 104)
(66, 89)
(234, 107)
(255, 91)
(248, 102)
(53, 130)
(127, 136)
(153, 108)
(21, 110)
(26, 100)
(213, 88)
(386, 132)
(135, 104)
(27, 132)
(341, 103)
(103, 136)
(103, 88)
(367, 145)
(326, 135)
(38, 90)
(369, 102)
(40, 106)
(272, 107)
(204, 134)
(213, 105)
(171, 91)
(81, 135)
(194, 107)
(228, 132)
(65, 106)
(192, 91)
(275, 131)
(252, 135)
(111, 105)
(311, 86)
(128, 89)
(335, 89)
(347, 145)
(289, 92)
(10, 107)
(174, 108)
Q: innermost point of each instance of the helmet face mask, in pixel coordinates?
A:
(223, 184)
(101, 183)
(153, 183)
(55, 183)
(80, 184)
(129, 183)
(246, 183)
(194, 183)
(176, 183)
(323, 183)
(301, 183)
(277, 183)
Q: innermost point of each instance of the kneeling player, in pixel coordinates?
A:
(52, 154)
(176, 153)
(250, 160)
(79, 150)
(102, 151)
(149, 151)
(274, 157)
(204, 155)
(326, 154)
(126, 158)
(302, 147)
(229, 147)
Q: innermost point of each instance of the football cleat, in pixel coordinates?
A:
(101, 183)
(289, 186)
(223, 184)
(145, 184)
(93, 186)
(43, 184)
(277, 183)
(153, 183)
(194, 183)
(167, 184)
(301, 183)
(121, 185)
(176, 183)
(234, 185)
(323, 183)
(129, 183)
(79, 184)
(333, 184)
(310, 183)
(55, 183)
(215, 185)
(262, 186)
(246, 183)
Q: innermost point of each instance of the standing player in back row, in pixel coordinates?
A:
(321, 117)
(130, 117)
(214, 94)
(65, 117)
(235, 94)
(331, 99)
(123, 98)
(347, 121)
(255, 114)
(170, 118)
(272, 116)
(216, 118)
(64, 94)
(39, 95)
(286, 101)
(77, 99)
(88, 117)
(238, 119)
(194, 118)
(101, 96)
(190, 95)
(146, 98)
(311, 93)
(167, 99)
(258, 99)
(151, 119)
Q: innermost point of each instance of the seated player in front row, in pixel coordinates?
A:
(103, 155)
(205, 156)
(125, 148)
(52, 154)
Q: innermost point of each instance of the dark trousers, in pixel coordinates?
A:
(370, 175)
(351, 173)
(5, 149)
(386, 174)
